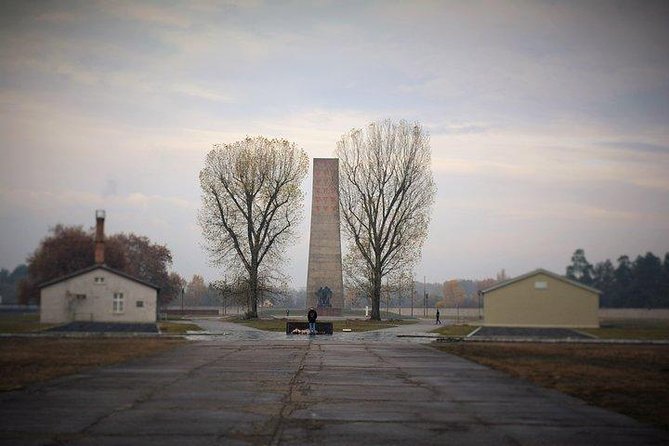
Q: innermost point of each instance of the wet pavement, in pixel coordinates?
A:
(247, 387)
(217, 330)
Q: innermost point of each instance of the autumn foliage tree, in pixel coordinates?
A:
(251, 201)
(386, 193)
(195, 290)
(68, 249)
(454, 294)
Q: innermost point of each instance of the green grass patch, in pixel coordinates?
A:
(22, 323)
(631, 329)
(367, 325)
(455, 330)
(355, 325)
(177, 328)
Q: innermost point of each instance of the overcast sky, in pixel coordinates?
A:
(549, 121)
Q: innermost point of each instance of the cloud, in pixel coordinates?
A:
(58, 17)
(148, 13)
(538, 113)
(50, 200)
(636, 147)
(201, 92)
(110, 188)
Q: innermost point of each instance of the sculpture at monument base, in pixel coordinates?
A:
(324, 294)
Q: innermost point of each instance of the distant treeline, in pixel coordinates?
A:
(9, 281)
(642, 283)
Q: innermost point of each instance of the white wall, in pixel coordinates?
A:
(59, 302)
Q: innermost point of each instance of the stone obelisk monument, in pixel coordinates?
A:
(325, 286)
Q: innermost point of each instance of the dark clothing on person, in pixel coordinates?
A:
(311, 317)
(438, 321)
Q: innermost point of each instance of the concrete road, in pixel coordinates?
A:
(223, 331)
(305, 392)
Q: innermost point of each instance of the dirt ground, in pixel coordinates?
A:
(629, 379)
(27, 360)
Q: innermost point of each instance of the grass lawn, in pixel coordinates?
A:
(455, 330)
(629, 379)
(177, 328)
(26, 323)
(27, 360)
(21, 323)
(631, 329)
(338, 325)
(610, 329)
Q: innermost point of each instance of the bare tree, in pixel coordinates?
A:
(386, 192)
(251, 202)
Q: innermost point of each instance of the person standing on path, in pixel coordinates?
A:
(311, 317)
(438, 322)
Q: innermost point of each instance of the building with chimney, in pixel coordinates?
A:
(98, 293)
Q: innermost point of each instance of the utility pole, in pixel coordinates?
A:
(183, 291)
(424, 299)
(413, 294)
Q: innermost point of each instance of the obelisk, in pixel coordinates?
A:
(325, 285)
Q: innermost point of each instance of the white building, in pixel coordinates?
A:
(98, 293)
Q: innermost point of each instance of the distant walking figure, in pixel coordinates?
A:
(438, 321)
(311, 317)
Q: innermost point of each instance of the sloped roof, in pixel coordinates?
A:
(540, 271)
(93, 268)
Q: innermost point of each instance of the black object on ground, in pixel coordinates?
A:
(100, 327)
(528, 332)
(321, 327)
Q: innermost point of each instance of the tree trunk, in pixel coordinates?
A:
(252, 303)
(376, 298)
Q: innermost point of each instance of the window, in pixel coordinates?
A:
(99, 280)
(118, 303)
(540, 285)
(140, 304)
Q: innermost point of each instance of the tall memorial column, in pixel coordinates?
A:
(325, 285)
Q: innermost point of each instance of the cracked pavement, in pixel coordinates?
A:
(305, 391)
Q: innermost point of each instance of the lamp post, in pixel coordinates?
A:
(183, 291)
(225, 296)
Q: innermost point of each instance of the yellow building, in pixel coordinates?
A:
(541, 299)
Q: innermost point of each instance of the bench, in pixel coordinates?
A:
(321, 327)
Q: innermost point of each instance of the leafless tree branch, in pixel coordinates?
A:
(251, 201)
(386, 193)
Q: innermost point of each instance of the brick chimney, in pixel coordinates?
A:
(99, 237)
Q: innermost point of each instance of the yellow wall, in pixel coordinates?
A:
(561, 304)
